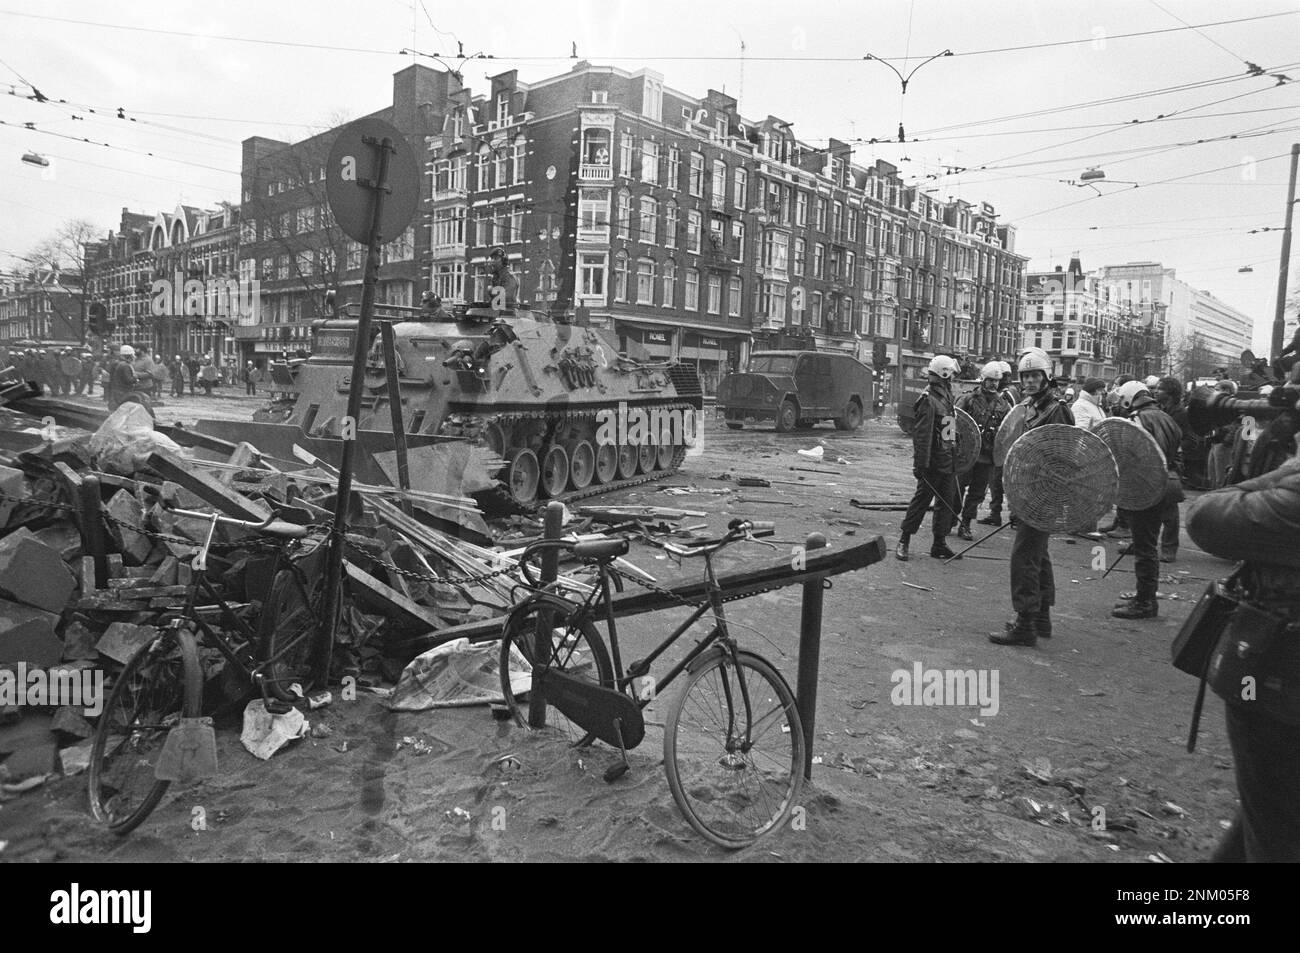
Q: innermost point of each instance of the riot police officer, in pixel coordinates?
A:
(1256, 666)
(934, 454)
(1134, 401)
(1033, 587)
(988, 408)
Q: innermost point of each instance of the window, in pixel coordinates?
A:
(516, 224)
(650, 161)
(670, 283)
(282, 267)
(248, 230)
(718, 185)
(484, 156)
(738, 239)
(303, 264)
(846, 312)
(837, 219)
(649, 220)
(734, 291)
(519, 152)
(356, 256)
(645, 281)
(692, 290)
(620, 276)
(503, 109)
(448, 227)
(850, 268)
(715, 294)
(801, 209)
(624, 213)
(776, 251)
(402, 248)
(772, 302)
(458, 173)
(819, 261)
(907, 325)
(306, 219)
(695, 184)
(499, 166)
(449, 282)
(591, 276)
(593, 208)
(670, 225)
(853, 225)
(741, 189)
(693, 231)
(674, 168)
(247, 270)
(815, 310)
(600, 95)
(800, 256)
(836, 264)
(625, 154)
(820, 215)
(286, 223)
(906, 291)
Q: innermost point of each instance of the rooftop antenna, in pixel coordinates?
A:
(740, 92)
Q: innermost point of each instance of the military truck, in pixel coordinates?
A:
(797, 389)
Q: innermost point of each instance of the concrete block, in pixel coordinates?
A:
(33, 573)
(64, 538)
(70, 721)
(123, 640)
(79, 642)
(34, 760)
(124, 508)
(11, 484)
(76, 759)
(28, 635)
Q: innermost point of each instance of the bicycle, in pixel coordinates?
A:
(153, 714)
(733, 740)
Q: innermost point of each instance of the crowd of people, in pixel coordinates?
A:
(1253, 518)
(68, 371)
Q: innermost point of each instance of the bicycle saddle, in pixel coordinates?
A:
(602, 549)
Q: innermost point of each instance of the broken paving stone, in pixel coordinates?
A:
(33, 728)
(123, 640)
(70, 721)
(125, 511)
(32, 761)
(27, 635)
(11, 484)
(33, 573)
(76, 758)
(62, 537)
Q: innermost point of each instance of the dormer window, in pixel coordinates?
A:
(503, 109)
(600, 96)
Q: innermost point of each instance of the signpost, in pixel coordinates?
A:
(372, 183)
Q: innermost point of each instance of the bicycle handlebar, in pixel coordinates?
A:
(269, 526)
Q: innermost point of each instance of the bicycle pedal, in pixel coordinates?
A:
(616, 771)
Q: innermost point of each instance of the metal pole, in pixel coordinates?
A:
(395, 413)
(92, 528)
(338, 532)
(1279, 316)
(810, 646)
(542, 649)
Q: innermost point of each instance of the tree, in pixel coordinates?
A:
(65, 251)
(1193, 358)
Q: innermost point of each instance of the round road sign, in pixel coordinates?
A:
(353, 167)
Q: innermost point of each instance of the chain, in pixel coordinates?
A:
(45, 503)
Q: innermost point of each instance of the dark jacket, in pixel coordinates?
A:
(988, 410)
(1045, 409)
(1256, 520)
(1161, 426)
(932, 416)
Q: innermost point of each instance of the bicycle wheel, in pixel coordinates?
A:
(735, 779)
(290, 633)
(576, 649)
(161, 683)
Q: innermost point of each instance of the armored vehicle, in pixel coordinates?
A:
(797, 389)
(558, 404)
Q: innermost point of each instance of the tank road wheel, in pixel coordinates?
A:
(555, 470)
(522, 474)
(663, 456)
(606, 463)
(582, 463)
(627, 457)
(645, 458)
(852, 418)
(787, 416)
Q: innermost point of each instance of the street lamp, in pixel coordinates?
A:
(904, 80)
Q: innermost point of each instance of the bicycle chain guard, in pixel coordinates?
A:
(594, 707)
(189, 753)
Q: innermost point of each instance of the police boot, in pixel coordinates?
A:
(1044, 623)
(940, 550)
(963, 531)
(1140, 607)
(900, 551)
(993, 519)
(1023, 631)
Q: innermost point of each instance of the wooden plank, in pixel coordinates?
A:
(395, 604)
(243, 457)
(178, 470)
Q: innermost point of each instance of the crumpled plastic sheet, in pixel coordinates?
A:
(458, 674)
(264, 733)
(126, 438)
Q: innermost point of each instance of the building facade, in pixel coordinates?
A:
(41, 308)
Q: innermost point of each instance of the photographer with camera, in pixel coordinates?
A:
(1255, 663)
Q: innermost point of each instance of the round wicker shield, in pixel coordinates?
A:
(1060, 479)
(1143, 475)
(968, 440)
(1013, 425)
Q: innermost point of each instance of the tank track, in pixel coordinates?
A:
(476, 427)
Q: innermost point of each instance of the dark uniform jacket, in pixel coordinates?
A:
(988, 411)
(1162, 427)
(1045, 409)
(933, 415)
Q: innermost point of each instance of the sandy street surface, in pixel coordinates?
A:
(1095, 718)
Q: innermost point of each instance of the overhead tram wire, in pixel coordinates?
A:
(32, 127)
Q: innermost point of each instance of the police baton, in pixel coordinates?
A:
(988, 535)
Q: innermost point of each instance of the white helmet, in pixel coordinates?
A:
(1152, 381)
(126, 350)
(943, 367)
(1035, 360)
(991, 371)
(1004, 367)
(1129, 392)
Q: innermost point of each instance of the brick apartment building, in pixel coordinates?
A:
(41, 307)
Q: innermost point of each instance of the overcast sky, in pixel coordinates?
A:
(194, 96)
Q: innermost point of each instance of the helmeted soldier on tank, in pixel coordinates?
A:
(1135, 402)
(500, 276)
(1033, 587)
(988, 408)
(934, 455)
